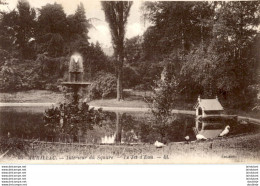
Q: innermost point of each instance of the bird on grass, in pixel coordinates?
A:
(187, 138)
(158, 144)
(225, 131)
(200, 137)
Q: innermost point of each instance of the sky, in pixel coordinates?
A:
(100, 32)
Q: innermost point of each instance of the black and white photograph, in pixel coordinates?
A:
(129, 82)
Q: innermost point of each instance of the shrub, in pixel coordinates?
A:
(10, 80)
(164, 97)
(70, 118)
(104, 86)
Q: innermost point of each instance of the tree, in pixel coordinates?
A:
(133, 49)
(8, 29)
(235, 30)
(78, 26)
(17, 30)
(174, 26)
(10, 79)
(26, 24)
(116, 13)
(165, 95)
(52, 26)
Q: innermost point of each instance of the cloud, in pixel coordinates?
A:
(101, 34)
(134, 29)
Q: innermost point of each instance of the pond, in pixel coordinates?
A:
(127, 128)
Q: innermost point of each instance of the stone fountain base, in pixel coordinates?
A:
(72, 83)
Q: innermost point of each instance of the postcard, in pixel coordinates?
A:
(129, 82)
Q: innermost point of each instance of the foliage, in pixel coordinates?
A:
(116, 14)
(213, 46)
(50, 31)
(95, 60)
(9, 78)
(41, 42)
(18, 28)
(104, 86)
(164, 97)
(133, 49)
(215, 43)
(70, 118)
(176, 25)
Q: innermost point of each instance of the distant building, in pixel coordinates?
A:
(207, 107)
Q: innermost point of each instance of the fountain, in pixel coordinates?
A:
(76, 71)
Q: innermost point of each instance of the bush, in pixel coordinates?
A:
(104, 86)
(164, 97)
(10, 80)
(70, 118)
(131, 77)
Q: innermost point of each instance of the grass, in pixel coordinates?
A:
(253, 114)
(32, 96)
(115, 103)
(238, 149)
(132, 98)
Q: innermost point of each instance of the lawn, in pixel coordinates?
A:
(115, 103)
(238, 149)
(31, 96)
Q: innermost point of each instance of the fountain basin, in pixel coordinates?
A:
(70, 83)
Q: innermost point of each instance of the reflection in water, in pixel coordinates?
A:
(117, 128)
(118, 136)
(108, 139)
(215, 128)
(208, 129)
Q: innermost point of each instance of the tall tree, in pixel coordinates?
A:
(235, 30)
(174, 26)
(78, 25)
(52, 26)
(25, 27)
(116, 13)
(8, 29)
(17, 29)
(226, 66)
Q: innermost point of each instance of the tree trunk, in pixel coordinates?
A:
(118, 128)
(119, 85)
(120, 76)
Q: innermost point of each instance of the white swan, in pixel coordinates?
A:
(200, 137)
(158, 144)
(225, 131)
(187, 138)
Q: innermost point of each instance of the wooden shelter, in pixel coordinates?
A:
(208, 107)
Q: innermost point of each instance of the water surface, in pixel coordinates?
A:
(132, 127)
